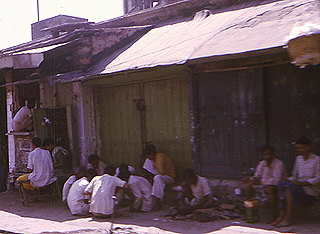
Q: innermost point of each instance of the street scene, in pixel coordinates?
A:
(167, 116)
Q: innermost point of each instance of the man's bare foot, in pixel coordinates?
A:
(277, 221)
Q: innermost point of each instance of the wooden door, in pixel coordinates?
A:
(168, 120)
(134, 115)
(120, 124)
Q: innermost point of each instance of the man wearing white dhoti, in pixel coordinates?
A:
(164, 174)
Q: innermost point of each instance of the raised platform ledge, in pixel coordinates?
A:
(19, 133)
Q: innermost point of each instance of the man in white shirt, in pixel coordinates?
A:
(23, 118)
(102, 189)
(76, 200)
(66, 187)
(303, 187)
(139, 187)
(268, 173)
(196, 193)
(40, 165)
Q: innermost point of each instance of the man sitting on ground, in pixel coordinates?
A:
(196, 193)
(94, 162)
(77, 202)
(102, 189)
(140, 188)
(269, 173)
(303, 187)
(161, 167)
(66, 187)
(40, 165)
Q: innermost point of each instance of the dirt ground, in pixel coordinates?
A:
(52, 216)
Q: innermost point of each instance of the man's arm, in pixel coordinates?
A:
(316, 178)
(294, 176)
(160, 165)
(258, 171)
(277, 174)
(58, 159)
(255, 179)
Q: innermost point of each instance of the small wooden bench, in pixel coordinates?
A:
(50, 191)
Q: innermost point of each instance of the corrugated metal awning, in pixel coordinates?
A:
(31, 58)
(20, 82)
(233, 32)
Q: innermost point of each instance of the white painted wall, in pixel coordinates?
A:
(84, 123)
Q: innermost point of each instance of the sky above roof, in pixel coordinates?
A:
(17, 15)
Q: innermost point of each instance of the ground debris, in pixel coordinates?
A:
(121, 230)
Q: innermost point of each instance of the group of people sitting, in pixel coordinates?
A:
(108, 187)
(303, 187)
(96, 188)
(47, 161)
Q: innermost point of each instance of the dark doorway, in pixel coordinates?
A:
(230, 121)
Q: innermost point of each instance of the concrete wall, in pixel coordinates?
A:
(83, 121)
(59, 95)
(51, 22)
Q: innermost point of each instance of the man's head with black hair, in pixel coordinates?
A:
(124, 172)
(36, 141)
(267, 152)
(150, 151)
(31, 102)
(190, 176)
(94, 159)
(303, 146)
(48, 143)
(110, 170)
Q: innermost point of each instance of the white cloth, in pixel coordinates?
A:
(141, 189)
(23, 113)
(56, 149)
(130, 168)
(102, 188)
(99, 169)
(201, 188)
(67, 186)
(159, 184)
(270, 175)
(308, 171)
(76, 197)
(149, 166)
(61, 165)
(40, 161)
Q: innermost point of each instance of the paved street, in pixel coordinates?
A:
(54, 217)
